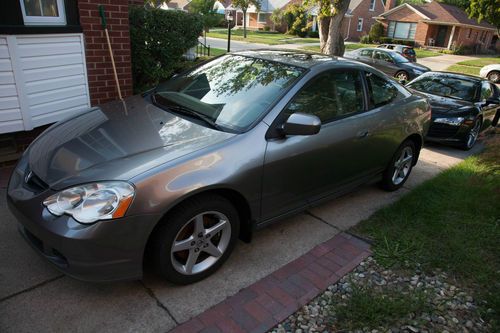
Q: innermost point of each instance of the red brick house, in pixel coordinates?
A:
(437, 25)
(54, 59)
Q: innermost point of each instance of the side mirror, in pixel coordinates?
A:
(301, 124)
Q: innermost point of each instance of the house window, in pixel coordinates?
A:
(401, 30)
(372, 5)
(43, 12)
(469, 33)
(360, 25)
(262, 17)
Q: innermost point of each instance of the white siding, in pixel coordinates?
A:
(49, 72)
(11, 119)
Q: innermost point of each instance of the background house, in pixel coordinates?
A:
(437, 25)
(360, 17)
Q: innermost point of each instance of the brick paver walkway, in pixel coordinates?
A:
(271, 300)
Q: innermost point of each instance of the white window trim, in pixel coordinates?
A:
(258, 18)
(372, 8)
(45, 20)
(359, 27)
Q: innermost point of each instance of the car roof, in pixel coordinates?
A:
(299, 58)
(398, 45)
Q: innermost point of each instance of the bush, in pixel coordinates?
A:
(267, 28)
(365, 39)
(463, 50)
(159, 38)
(313, 34)
(404, 42)
(295, 17)
(385, 40)
(376, 32)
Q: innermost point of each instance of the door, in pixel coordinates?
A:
(441, 35)
(489, 111)
(302, 169)
(384, 62)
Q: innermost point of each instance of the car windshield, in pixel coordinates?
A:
(398, 58)
(446, 86)
(230, 92)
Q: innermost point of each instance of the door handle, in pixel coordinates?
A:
(363, 134)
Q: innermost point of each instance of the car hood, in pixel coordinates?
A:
(446, 105)
(118, 140)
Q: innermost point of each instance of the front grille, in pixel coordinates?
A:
(34, 183)
(438, 130)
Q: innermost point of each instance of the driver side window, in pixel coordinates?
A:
(330, 95)
(383, 56)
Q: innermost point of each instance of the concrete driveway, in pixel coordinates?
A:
(36, 297)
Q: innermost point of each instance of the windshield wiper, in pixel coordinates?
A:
(189, 112)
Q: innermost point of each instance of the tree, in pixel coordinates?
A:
(243, 5)
(330, 17)
(207, 12)
(376, 31)
(488, 10)
(295, 17)
(276, 17)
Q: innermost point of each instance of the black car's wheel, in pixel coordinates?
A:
(402, 75)
(195, 239)
(494, 76)
(399, 169)
(472, 134)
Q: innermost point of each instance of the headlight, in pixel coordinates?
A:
(455, 121)
(92, 202)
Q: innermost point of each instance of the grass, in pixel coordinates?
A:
(263, 37)
(217, 52)
(472, 67)
(421, 53)
(373, 308)
(451, 223)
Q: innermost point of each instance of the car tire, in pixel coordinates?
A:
(472, 135)
(399, 169)
(494, 76)
(183, 248)
(402, 75)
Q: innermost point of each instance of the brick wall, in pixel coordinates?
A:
(362, 11)
(102, 84)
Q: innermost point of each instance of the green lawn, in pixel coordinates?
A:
(472, 67)
(451, 222)
(421, 53)
(263, 37)
(216, 52)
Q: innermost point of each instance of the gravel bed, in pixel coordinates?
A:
(450, 308)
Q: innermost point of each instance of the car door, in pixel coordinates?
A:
(299, 170)
(489, 110)
(365, 56)
(384, 62)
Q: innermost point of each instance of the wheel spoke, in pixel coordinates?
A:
(395, 175)
(216, 228)
(198, 225)
(182, 245)
(407, 159)
(191, 260)
(212, 250)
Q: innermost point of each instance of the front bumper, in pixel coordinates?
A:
(439, 132)
(104, 251)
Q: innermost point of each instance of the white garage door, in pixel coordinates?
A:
(43, 79)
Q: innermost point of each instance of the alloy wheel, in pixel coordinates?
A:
(473, 134)
(402, 166)
(200, 242)
(494, 77)
(402, 76)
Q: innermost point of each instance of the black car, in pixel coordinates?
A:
(462, 106)
(406, 51)
(388, 61)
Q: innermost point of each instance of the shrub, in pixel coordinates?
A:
(295, 17)
(463, 50)
(385, 40)
(159, 38)
(404, 42)
(365, 39)
(376, 32)
(267, 28)
(313, 34)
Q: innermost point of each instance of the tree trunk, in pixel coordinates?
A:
(244, 23)
(323, 27)
(334, 44)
